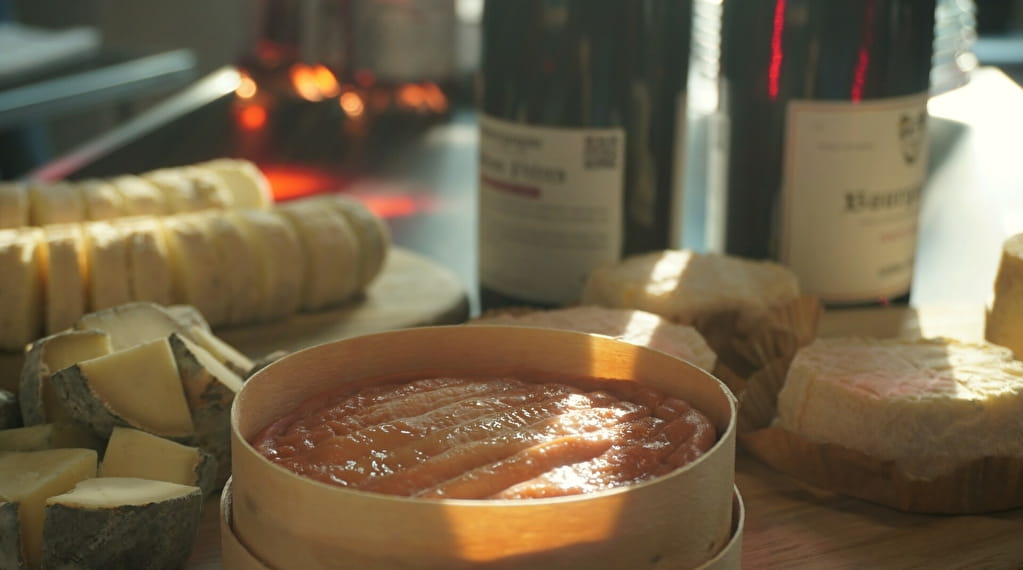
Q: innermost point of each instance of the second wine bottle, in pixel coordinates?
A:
(582, 110)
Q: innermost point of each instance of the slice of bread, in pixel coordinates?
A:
(637, 327)
(928, 405)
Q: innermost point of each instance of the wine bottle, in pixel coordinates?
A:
(582, 108)
(825, 140)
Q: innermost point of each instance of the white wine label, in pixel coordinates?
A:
(550, 207)
(852, 183)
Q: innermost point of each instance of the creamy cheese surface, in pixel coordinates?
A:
(683, 285)
(930, 405)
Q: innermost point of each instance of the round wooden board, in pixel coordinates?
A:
(410, 291)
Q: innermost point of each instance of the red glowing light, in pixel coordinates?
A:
(774, 73)
(252, 117)
(288, 181)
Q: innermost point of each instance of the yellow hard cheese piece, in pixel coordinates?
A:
(121, 522)
(64, 266)
(138, 386)
(39, 402)
(13, 205)
(134, 453)
(1005, 319)
(30, 438)
(29, 478)
(20, 301)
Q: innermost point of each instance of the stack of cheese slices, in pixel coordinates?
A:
(250, 262)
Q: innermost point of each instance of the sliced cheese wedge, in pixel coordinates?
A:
(30, 438)
(141, 197)
(119, 522)
(66, 275)
(210, 388)
(199, 281)
(150, 274)
(55, 203)
(136, 387)
(237, 261)
(330, 247)
(106, 251)
(20, 286)
(248, 186)
(134, 453)
(12, 553)
(283, 261)
(29, 478)
(226, 354)
(102, 200)
(13, 205)
(39, 403)
(135, 323)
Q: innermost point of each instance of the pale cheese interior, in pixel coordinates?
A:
(109, 492)
(30, 478)
(142, 384)
(134, 453)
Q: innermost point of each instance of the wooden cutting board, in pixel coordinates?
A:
(410, 291)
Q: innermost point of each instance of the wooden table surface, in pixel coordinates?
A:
(790, 525)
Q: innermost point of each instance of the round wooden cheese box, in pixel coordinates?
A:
(689, 518)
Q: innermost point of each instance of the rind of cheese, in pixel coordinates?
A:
(134, 453)
(29, 478)
(237, 261)
(226, 354)
(137, 387)
(149, 267)
(636, 327)
(329, 243)
(1005, 318)
(248, 186)
(29, 438)
(373, 238)
(283, 261)
(141, 197)
(12, 554)
(210, 388)
(685, 286)
(122, 522)
(107, 253)
(66, 275)
(198, 279)
(929, 405)
(13, 205)
(38, 400)
(102, 200)
(135, 323)
(55, 203)
(20, 286)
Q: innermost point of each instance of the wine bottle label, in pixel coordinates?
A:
(853, 176)
(550, 207)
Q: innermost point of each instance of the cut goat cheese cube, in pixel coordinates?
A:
(150, 274)
(136, 387)
(134, 453)
(29, 479)
(121, 522)
(237, 261)
(199, 281)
